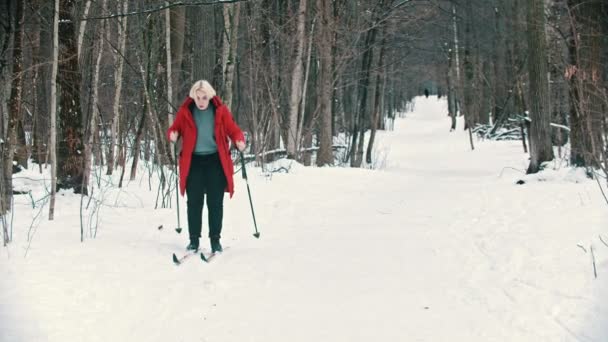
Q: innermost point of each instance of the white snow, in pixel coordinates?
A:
(440, 244)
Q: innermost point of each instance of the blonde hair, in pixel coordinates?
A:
(203, 86)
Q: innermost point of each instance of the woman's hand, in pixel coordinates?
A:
(173, 136)
(240, 145)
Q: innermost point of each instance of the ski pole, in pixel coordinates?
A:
(244, 172)
(178, 229)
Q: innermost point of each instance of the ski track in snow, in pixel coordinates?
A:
(439, 245)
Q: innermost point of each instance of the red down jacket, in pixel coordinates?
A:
(225, 127)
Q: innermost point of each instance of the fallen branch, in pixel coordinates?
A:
(512, 168)
(593, 260)
(604, 242)
(600, 185)
(583, 248)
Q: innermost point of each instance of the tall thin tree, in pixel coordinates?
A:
(53, 114)
(116, 146)
(541, 149)
(14, 113)
(325, 154)
(70, 149)
(296, 82)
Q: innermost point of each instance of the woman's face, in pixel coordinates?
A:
(201, 99)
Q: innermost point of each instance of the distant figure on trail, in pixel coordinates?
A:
(204, 123)
(426, 93)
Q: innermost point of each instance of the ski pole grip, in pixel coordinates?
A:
(244, 172)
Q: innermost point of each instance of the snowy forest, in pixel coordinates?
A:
(428, 170)
(98, 82)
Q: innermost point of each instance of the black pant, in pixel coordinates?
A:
(206, 176)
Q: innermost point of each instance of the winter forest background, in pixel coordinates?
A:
(98, 82)
(416, 164)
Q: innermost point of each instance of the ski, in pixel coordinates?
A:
(178, 260)
(206, 258)
(209, 257)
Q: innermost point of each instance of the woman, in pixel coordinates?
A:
(204, 123)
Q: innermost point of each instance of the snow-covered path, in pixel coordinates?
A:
(439, 245)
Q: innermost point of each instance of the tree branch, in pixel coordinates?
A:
(163, 7)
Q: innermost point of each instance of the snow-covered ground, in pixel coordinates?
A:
(438, 245)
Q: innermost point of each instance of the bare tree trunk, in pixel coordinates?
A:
(360, 125)
(14, 113)
(53, 119)
(272, 79)
(70, 159)
(376, 111)
(296, 83)
(152, 117)
(485, 102)
(391, 110)
(225, 43)
(116, 135)
(137, 143)
(42, 52)
(254, 61)
(500, 75)
(578, 137)
(456, 46)
(453, 74)
(469, 81)
(231, 23)
(325, 155)
(203, 56)
(169, 64)
(217, 40)
(337, 111)
(178, 29)
(21, 148)
(305, 85)
(82, 28)
(93, 128)
(451, 89)
(540, 135)
(5, 38)
(585, 75)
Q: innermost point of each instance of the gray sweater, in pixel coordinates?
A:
(205, 123)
